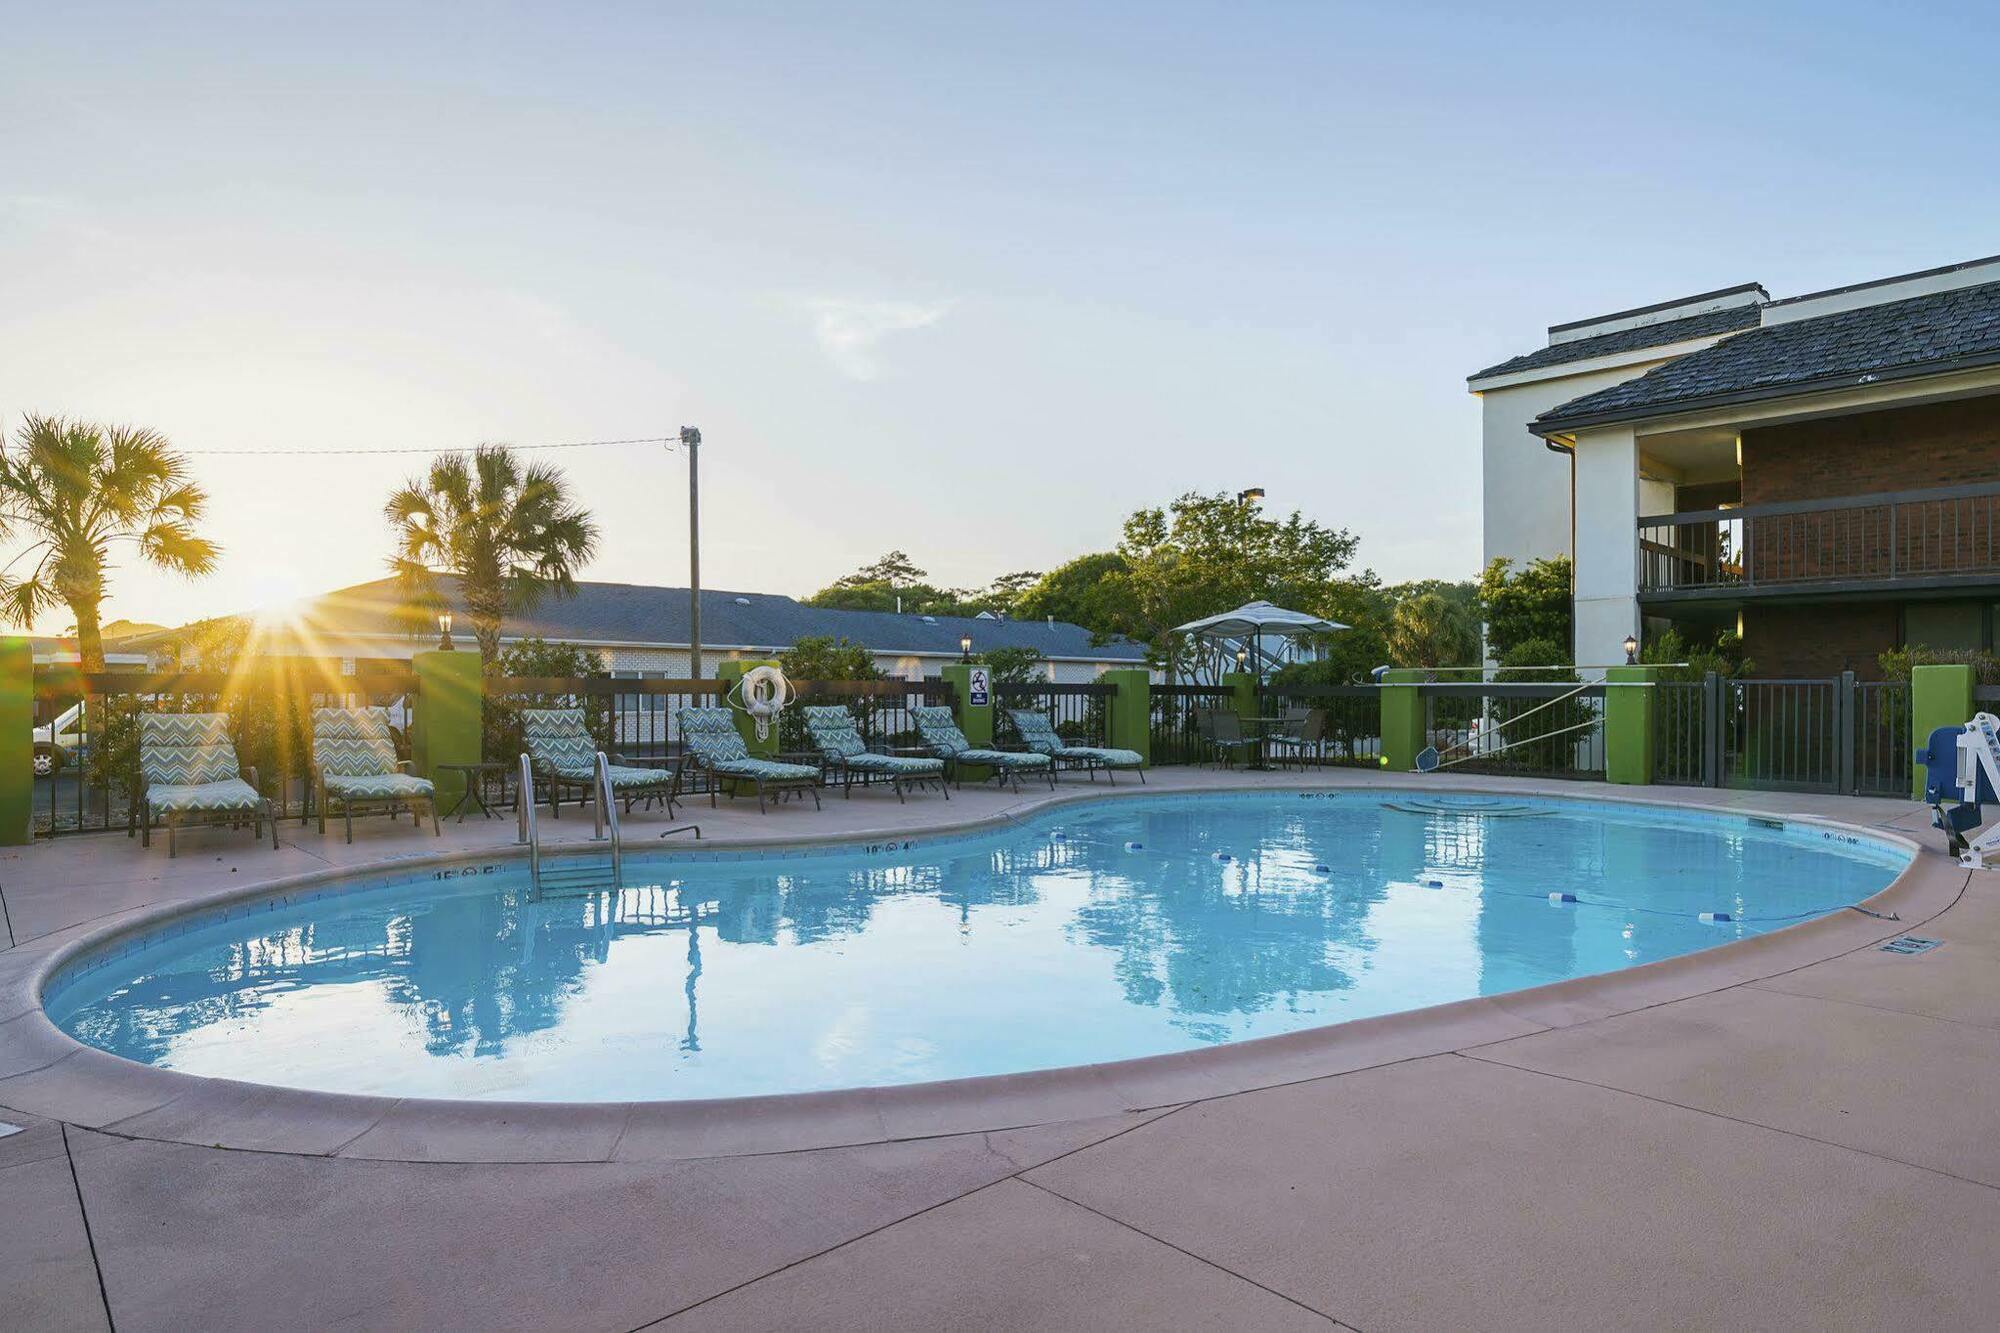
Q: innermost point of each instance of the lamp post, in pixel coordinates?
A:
(1631, 650)
(965, 647)
(1250, 496)
(691, 437)
(444, 632)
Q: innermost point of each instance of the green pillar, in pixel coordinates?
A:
(1940, 696)
(1402, 718)
(449, 723)
(746, 726)
(1131, 711)
(1628, 724)
(974, 719)
(1245, 702)
(17, 743)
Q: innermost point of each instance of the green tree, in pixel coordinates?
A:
(1205, 554)
(1014, 666)
(1085, 591)
(1432, 630)
(71, 493)
(1533, 604)
(823, 657)
(543, 659)
(509, 532)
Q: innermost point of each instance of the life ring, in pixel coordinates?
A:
(763, 692)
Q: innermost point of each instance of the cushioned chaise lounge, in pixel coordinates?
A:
(564, 756)
(188, 767)
(942, 738)
(839, 743)
(354, 763)
(716, 748)
(1039, 735)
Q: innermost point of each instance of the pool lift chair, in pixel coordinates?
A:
(1962, 765)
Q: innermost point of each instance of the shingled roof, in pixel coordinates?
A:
(1714, 322)
(634, 614)
(1923, 335)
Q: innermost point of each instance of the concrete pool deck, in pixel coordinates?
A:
(1796, 1131)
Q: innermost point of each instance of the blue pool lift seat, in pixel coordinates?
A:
(1962, 766)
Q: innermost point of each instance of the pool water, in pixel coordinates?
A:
(1101, 932)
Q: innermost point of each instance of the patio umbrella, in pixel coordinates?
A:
(1252, 622)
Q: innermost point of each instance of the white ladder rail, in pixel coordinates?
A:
(607, 819)
(528, 831)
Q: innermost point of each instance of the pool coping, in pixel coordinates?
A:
(44, 1071)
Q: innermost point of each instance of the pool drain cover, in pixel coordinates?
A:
(6, 1129)
(1910, 944)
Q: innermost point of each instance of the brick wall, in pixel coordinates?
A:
(1821, 640)
(1905, 449)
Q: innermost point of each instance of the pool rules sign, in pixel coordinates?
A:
(977, 692)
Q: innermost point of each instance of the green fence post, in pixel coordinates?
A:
(1131, 711)
(1245, 702)
(17, 740)
(1629, 701)
(746, 726)
(974, 714)
(449, 727)
(1940, 696)
(1402, 718)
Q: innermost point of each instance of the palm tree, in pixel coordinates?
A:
(510, 534)
(70, 491)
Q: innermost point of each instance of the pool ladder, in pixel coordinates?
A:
(581, 874)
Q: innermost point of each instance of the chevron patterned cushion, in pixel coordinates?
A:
(626, 778)
(832, 729)
(229, 794)
(377, 786)
(353, 742)
(940, 730)
(1002, 758)
(1035, 730)
(770, 770)
(900, 765)
(1098, 754)
(558, 740)
(711, 734)
(186, 749)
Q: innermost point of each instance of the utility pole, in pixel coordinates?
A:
(691, 437)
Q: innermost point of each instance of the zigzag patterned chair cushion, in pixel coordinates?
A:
(186, 750)
(903, 765)
(710, 735)
(1040, 735)
(378, 786)
(353, 743)
(228, 794)
(832, 729)
(559, 742)
(940, 732)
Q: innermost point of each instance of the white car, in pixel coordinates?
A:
(59, 742)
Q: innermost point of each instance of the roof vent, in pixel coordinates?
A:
(930, 620)
(742, 601)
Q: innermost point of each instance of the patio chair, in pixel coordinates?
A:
(188, 766)
(564, 755)
(1040, 735)
(833, 733)
(715, 747)
(941, 736)
(354, 763)
(1302, 737)
(1222, 731)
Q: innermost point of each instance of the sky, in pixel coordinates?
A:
(973, 281)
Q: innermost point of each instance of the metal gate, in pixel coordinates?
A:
(1826, 734)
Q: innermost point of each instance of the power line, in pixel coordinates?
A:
(671, 441)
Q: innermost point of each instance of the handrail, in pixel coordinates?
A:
(1830, 504)
(607, 816)
(529, 832)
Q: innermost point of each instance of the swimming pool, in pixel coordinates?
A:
(1117, 929)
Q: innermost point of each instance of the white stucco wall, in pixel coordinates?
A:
(1607, 549)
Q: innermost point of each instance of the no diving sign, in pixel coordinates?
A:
(977, 691)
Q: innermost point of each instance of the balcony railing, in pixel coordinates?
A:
(1937, 537)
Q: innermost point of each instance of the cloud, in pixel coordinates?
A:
(850, 332)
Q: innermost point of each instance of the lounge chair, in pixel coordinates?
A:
(715, 747)
(564, 755)
(1222, 731)
(941, 736)
(1303, 737)
(188, 766)
(1040, 735)
(354, 763)
(841, 748)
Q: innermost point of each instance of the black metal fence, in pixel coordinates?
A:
(1683, 739)
(1172, 725)
(1081, 712)
(1553, 729)
(1347, 730)
(1831, 734)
